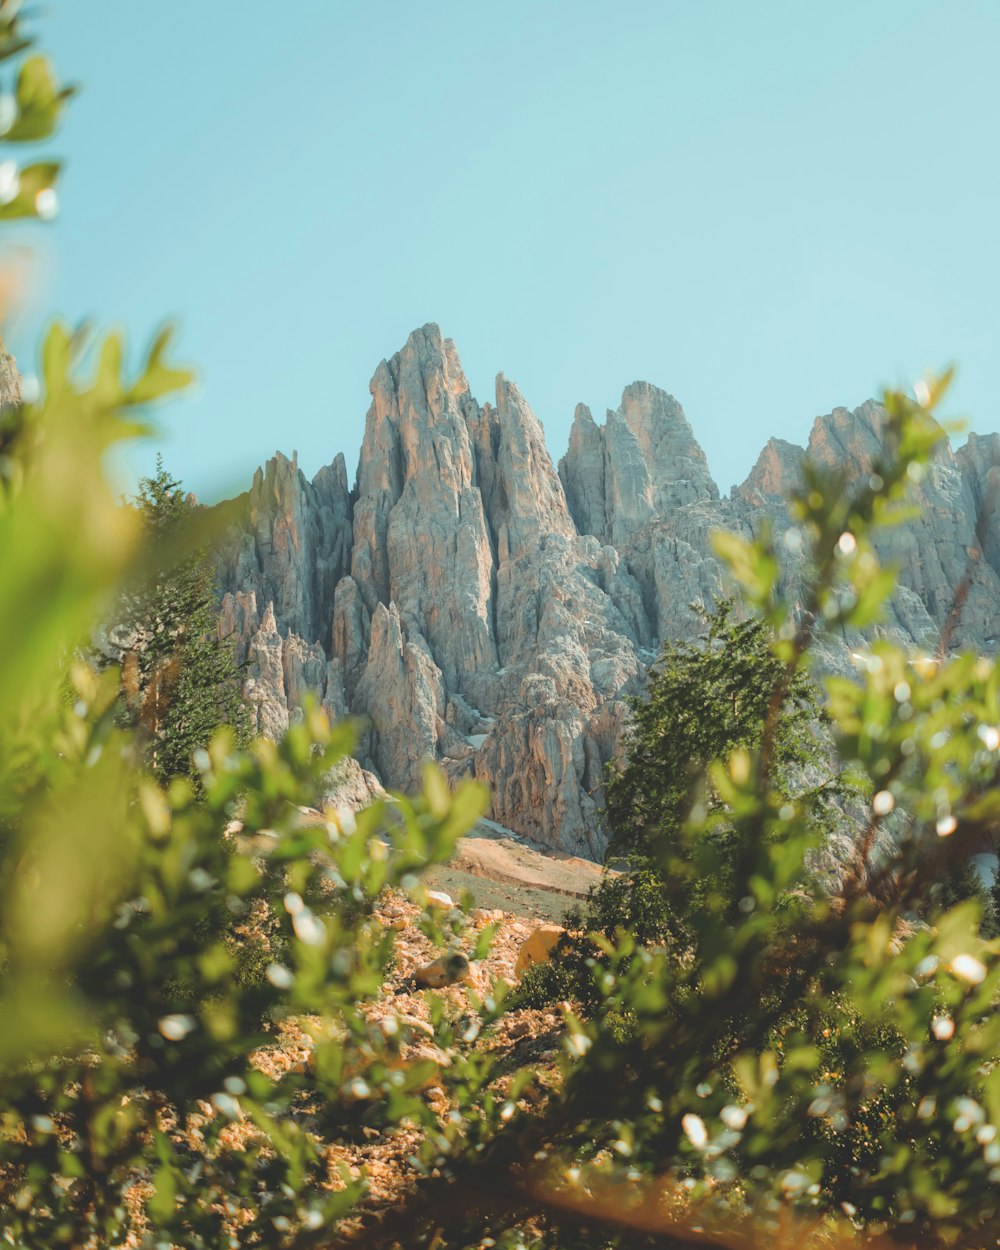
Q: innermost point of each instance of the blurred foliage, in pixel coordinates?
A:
(126, 1011)
(30, 113)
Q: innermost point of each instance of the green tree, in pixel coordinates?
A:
(961, 881)
(705, 698)
(708, 700)
(180, 679)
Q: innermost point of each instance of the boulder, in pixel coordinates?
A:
(537, 947)
(443, 971)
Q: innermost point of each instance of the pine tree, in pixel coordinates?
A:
(180, 680)
(706, 698)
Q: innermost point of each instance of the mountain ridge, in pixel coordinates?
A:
(483, 606)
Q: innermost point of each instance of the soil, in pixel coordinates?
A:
(503, 871)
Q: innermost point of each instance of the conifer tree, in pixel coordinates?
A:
(180, 679)
(707, 697)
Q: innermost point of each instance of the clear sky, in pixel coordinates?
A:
(768, 209)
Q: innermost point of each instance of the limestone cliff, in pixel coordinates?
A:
(478, 606)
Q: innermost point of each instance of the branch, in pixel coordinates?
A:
(613, 1206)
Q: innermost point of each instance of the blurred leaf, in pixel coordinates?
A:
(39, 102)
(35, 189)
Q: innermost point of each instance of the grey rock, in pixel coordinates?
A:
(777, 471)
(421, 540)
(291, 542)
(531, 501)
(264, 687)
(581, 471)
(402, 694)
(350, 786)
(644, 463)
(678, 470)
(10, 380)
(351, 634)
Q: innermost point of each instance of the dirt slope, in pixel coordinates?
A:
(503, 871)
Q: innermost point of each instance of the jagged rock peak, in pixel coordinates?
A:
(422, 393)
(421, 539)
(852, 438)
(643, 463)
(848, 437)
(478, 608)
(979, 463)
(532, 501)
(292, 543)
(677, 465)
(978, 460)
(427, 352)
(777, 471)
(581, 471)
(844, 438)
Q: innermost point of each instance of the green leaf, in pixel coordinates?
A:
(158, 379)
(436, 791)
(751, 564)
(484, 941)
(39, 102)
(162, 1202)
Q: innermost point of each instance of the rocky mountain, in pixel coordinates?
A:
(481, 606)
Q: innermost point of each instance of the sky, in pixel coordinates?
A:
(767, 209)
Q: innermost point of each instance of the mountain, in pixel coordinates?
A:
(479, 605)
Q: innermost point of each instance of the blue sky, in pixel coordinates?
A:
(767, 209)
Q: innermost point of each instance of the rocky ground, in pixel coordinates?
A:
(509, 873)
(520, 1037)
(522, 893)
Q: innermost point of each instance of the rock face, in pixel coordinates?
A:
(642, 464)
(478, 607)
(293, 543)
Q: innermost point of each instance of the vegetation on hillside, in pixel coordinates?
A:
(823, 1062)
(707, 698)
